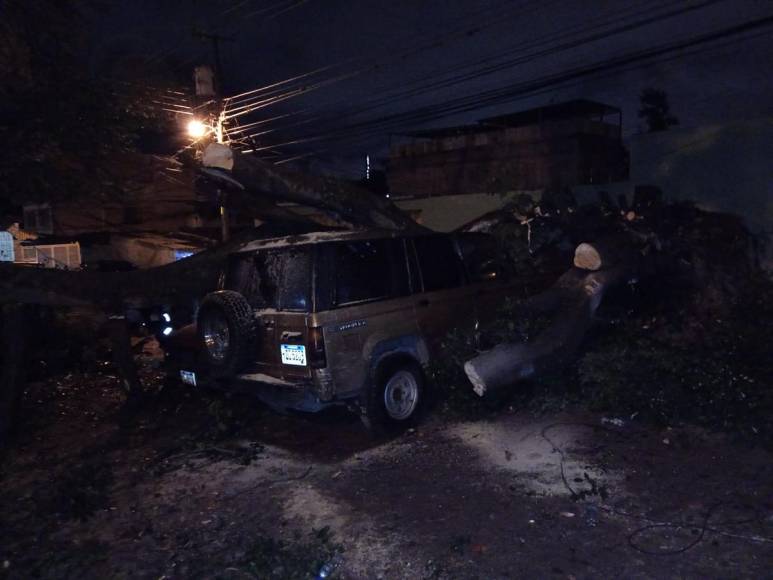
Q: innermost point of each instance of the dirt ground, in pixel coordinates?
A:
(197, 485)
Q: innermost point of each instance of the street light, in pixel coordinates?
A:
(197, 129)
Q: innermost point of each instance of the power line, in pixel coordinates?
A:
(478, 73)
(523, 58)
(425, 87)
(462, 31)
(540, 84)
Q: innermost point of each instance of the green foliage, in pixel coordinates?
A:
(665, 358)
(301, 559)
(722, 378)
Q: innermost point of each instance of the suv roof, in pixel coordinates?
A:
(320, 237)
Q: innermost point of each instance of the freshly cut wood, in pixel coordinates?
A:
(587, 257)
(574, 299)
(604, 253)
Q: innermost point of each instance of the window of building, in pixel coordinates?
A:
(37, 218)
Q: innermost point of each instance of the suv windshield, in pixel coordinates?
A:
(279, 279)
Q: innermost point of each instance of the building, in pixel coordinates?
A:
(159, 217)
(158, 196)
(553, 147)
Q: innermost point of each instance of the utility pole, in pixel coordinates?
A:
(216, 39)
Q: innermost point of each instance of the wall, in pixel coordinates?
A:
(446, 213)
(549, 156)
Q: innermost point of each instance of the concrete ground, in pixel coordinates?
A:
(173, 491)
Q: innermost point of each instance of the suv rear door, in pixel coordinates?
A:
(278, 285)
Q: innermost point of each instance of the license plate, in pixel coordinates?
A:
(188, 377)
(293, 354)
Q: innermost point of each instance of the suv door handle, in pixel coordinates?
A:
(423, 302)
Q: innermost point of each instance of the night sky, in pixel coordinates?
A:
(274, 40)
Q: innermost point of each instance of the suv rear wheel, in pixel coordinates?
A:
(226, 329)
(396, 398)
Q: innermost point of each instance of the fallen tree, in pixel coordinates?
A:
(709, 255)
(572, 301)
(610, 245)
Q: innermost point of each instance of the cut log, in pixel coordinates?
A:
(607, 252)
(588, 257)
(574, 299)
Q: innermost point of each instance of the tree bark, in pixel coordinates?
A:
(353, 204)
(574, 299)
(114, 291)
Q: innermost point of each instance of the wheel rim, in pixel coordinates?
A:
(217, 337)
(401, 395)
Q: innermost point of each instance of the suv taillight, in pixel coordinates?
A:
(317, 358)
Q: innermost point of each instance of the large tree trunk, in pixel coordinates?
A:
(573, 301)
(351, 203)
(263, 184)
(113, 291)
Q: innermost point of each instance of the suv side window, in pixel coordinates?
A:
(439, 262)
(368, 270)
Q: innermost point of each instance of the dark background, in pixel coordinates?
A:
(271, 40)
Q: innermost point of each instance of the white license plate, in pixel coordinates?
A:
(293, 354)
(188, 377)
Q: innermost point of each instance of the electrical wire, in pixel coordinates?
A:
(567, 45)
(371, 64)
(489, 98)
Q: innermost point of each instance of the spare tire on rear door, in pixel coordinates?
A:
(226, 329)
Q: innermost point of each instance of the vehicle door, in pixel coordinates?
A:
(369, 303)
(490, 282)
(277, 285)
(290, 321)
(443, 300)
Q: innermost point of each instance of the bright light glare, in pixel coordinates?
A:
(168, 330)
(167, 317)
(197, 129)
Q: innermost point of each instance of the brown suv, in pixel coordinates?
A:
(344, 318)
